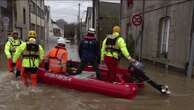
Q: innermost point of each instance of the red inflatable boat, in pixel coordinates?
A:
(123, 87)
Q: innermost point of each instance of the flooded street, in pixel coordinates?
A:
(15, 97)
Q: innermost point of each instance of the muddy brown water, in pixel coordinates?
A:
(15, 97)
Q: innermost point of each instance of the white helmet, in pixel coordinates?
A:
(61, 41)
(91, 30)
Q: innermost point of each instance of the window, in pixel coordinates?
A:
(24, 16)
(32, 9)
(164, 29)
(32, 26)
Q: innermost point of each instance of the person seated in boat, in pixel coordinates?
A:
(113, 46)
(89, 52)
(57, 57)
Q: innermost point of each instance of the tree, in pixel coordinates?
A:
(69, 28)
(61, 23)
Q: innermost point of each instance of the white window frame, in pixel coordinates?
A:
(165, 32)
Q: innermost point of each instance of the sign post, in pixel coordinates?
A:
(137, 20)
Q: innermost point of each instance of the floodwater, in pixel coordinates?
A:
(15, 97)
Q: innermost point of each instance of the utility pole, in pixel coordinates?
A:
(0, 25)
(29, 13)
(191, 59)
(142, 30)
(36, 15)
(80, 27)
(78, 21)
(96, 9)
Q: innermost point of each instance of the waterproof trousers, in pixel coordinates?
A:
(94, 64)
(11, 67)
(29, 74)
(112, 65)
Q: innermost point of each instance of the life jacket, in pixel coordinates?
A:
(57, 60)
(88, 49)
(89, 41)
(14, 44)
(89, 44)
(32, 53)
(111, 45)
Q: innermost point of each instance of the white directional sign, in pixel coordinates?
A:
(3, 3)
(5, 21)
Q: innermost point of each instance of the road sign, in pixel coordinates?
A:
(137, 19)
(5, 21)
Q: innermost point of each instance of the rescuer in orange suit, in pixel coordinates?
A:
(57, 58)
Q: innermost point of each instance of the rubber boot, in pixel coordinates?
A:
(9, 65)
(34, 80)
(17, 74)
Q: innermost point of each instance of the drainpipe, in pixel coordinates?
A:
(191, 57)
(121, 7)
(93, 17)
(142, 30)
(0, 30)
(29, 14)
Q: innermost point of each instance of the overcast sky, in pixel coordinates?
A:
(68, 9)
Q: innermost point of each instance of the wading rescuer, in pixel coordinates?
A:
(114, 45)
(32, 53)
(57, 57)
(89, 52)
(10, 48)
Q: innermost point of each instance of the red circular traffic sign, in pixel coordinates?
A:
(137, 20)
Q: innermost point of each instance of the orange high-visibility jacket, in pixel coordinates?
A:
(57, 58)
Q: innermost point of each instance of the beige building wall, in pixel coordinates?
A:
(21, 17)
(40, 3)
(24, 24)
(37, 20)
(5, 20)
(180, 15)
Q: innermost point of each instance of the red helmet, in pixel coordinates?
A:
(14, 33)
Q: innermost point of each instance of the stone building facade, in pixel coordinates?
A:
(166, 31)
(23, 15)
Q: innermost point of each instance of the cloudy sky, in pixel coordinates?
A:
(68, 9)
